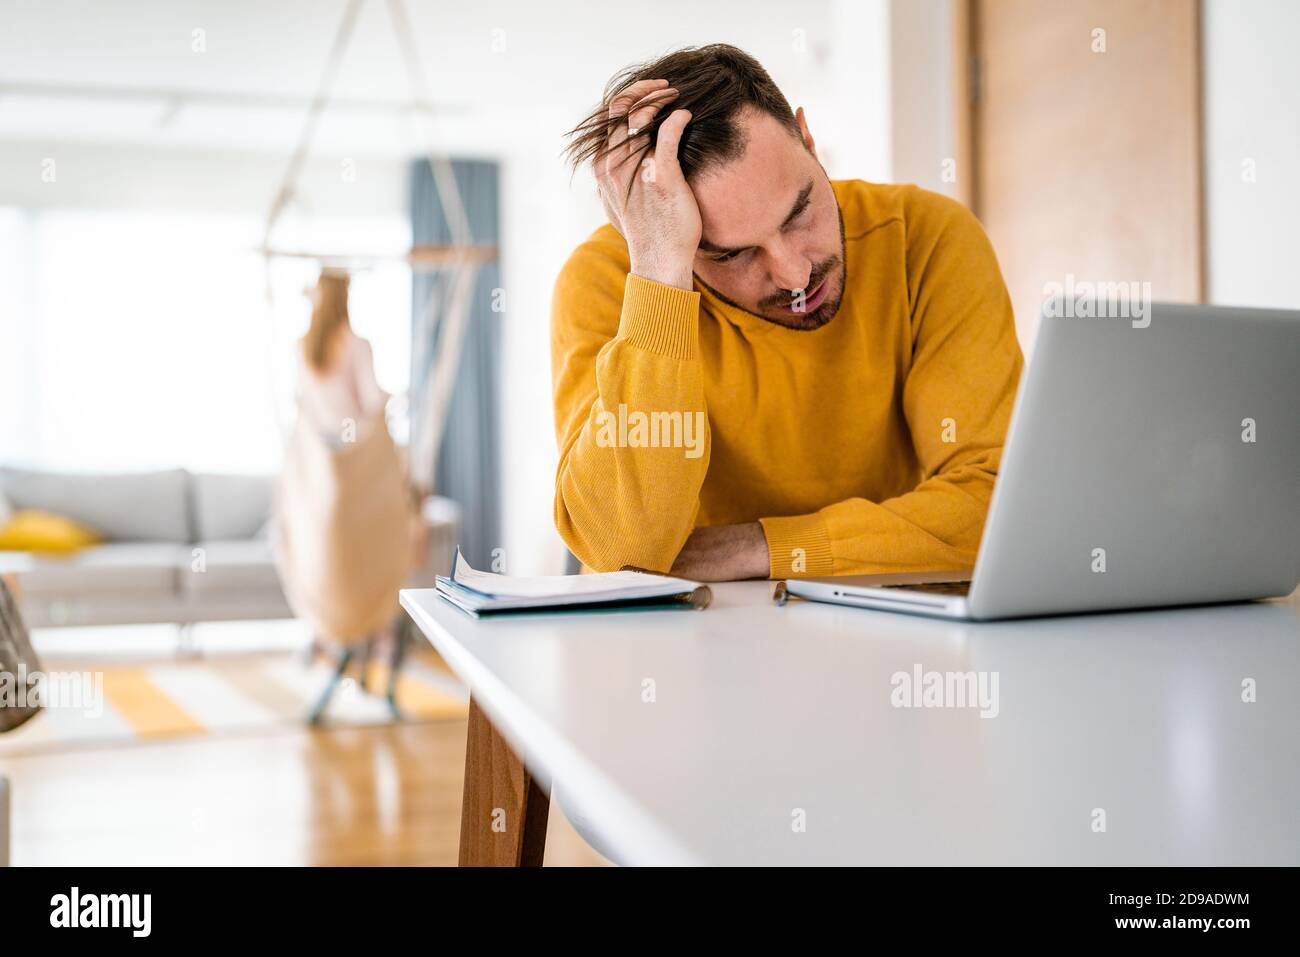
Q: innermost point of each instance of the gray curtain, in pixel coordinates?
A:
(469, 460)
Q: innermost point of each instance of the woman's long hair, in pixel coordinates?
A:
(329, 317)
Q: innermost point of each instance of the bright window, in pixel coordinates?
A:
(133, 340)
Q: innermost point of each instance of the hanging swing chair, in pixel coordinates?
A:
(348, 513)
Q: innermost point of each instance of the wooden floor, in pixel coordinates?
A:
(356, 796)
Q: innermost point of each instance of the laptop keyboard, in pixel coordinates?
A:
(937, 588)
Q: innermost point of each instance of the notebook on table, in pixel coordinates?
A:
(484, 593)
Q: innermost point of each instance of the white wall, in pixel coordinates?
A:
(920, 90)
(852, 127)
(1252, 151)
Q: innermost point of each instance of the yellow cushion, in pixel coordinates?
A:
(30, 530)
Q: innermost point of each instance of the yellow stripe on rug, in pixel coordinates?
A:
(415, 698)
(144, 706)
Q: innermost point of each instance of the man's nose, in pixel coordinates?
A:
(790, 270)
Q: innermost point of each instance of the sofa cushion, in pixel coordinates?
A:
(231, 566)
(33, 531)
(229, 507)
(120, 568)
(121, 507)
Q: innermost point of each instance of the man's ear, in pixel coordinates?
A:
(804, 133)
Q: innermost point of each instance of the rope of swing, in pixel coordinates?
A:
(439, 376)
(324, 90)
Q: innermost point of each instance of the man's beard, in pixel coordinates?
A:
(824, 313)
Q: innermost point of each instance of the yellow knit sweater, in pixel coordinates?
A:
(868, 445)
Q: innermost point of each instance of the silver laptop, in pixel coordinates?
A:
(1145, 467)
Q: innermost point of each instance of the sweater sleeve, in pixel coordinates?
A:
(626, 370)
(957, 400)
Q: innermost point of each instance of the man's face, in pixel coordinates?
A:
(773, 237)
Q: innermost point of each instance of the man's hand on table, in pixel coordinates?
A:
(724, 553)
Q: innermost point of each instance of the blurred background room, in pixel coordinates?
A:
(174, 177)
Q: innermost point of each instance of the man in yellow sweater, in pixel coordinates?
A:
(758, 371)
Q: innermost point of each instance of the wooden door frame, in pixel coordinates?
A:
(967, 119)
(965, 105)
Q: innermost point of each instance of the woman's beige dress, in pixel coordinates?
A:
(344, 514)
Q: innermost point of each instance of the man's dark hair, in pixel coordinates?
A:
(714, 82)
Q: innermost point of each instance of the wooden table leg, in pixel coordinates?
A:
(503, 810)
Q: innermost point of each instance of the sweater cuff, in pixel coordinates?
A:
(659, 318)
(797, 546)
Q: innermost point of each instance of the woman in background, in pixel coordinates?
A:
(337, 388)
(346, 529)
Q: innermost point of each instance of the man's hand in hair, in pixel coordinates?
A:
(649, 202)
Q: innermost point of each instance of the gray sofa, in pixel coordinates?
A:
(178, 547)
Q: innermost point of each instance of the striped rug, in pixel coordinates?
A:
(133, 700)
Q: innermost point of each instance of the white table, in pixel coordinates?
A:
(760, 716)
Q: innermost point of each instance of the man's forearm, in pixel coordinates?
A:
(934, 527)
(724, 553)
(625, 493)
